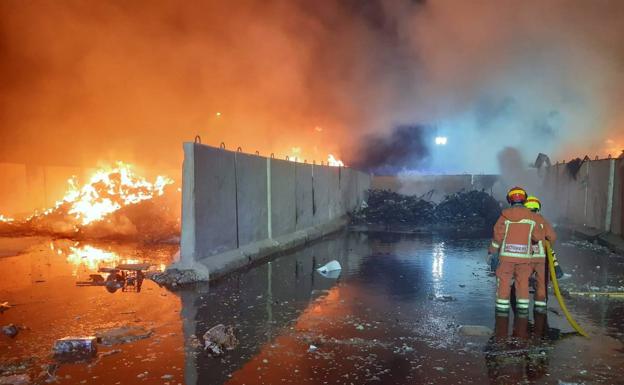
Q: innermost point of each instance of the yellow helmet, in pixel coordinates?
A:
(532, 203)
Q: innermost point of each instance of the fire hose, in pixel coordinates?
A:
(553, 277)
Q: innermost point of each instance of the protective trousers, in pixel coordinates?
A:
(541, 280)
(520, 272)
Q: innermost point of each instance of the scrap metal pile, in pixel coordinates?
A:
(467, 210)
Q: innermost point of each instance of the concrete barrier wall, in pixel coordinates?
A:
(232, 200)
(592, 198)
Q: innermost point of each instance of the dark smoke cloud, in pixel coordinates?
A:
(89, 81)
(388, 154)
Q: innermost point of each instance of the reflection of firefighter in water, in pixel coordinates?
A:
(523, 356)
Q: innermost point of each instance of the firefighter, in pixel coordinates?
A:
(515, 231)
(540, 265)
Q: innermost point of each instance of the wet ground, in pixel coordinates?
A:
(394, 315)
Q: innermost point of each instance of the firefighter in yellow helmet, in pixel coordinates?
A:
(515, 231)
(539, 262)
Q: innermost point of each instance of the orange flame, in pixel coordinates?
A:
(332, 161)
(107, 191)
(6, 219)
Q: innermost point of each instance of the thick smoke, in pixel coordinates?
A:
(406, 147)
(90, 81)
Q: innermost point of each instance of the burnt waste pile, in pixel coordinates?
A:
(466, 211)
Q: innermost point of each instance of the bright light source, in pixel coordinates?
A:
(440, 140)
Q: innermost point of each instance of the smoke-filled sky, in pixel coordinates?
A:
(88, 81)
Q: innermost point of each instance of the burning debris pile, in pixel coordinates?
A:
(114, 203)
(469, 210)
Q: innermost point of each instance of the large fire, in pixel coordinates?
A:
(107, 191)
(114, 201)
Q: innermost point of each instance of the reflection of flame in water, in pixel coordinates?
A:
(91, 257)
(5, 219)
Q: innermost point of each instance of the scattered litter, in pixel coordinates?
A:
(10, 330)
(15, 379)
(219, 338)
(312, 348)
(442, 298)
(475, 331)
(568, 383)
(167, 377)
(329, 267)
(360, 327)
(110, 353)
(72, 349)
(4, 306)
(122, 335)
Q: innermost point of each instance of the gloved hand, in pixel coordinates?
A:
(558, 272)
(493, 258)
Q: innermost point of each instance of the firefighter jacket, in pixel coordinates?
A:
(515, 232)
(549, 234)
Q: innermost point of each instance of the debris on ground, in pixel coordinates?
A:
(330, 270)
(391, 208)
(312, 348)
(74, 349)
(471, 209)
(15, 379)
(219, 338)
(4, 306)
(475, 331)
(122, 335)
(442, 298)
(10, 330)
(173, 278)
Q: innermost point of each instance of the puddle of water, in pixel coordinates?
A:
(40, 280)
(391, 317)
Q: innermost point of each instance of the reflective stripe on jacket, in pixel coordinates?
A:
(515, 232)
(539, 251)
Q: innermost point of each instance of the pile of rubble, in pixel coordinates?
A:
(391, 208)
(462, 210)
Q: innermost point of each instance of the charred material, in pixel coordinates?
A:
(574, 166)
(475, 209)
(470, 210)
(391, 208)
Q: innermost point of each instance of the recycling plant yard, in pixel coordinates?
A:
(295, 192)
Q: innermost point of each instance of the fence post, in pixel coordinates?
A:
(610, 188)
(269, 208)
